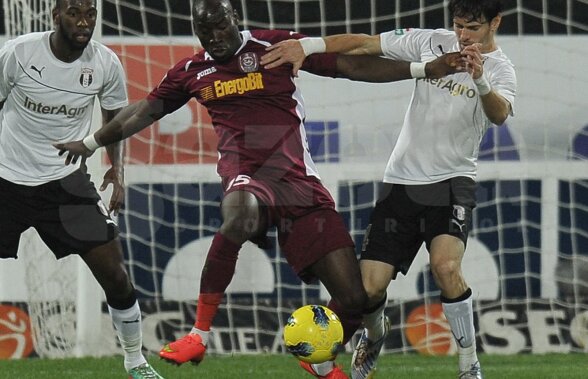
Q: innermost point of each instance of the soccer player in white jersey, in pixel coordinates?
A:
(429, 187)
(48, 84)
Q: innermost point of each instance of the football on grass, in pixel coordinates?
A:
(313, 334)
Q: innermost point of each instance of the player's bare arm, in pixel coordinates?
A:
(294, 51)
(115, 174)
(132, 119)
(496, 107)
(376, 69)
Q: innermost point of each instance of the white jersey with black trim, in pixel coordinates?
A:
(47, 100)
(445, 122)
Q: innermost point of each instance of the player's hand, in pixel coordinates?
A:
(444, 65)
(474, 60)
(289, 51)
(116, 178)
(74, 150)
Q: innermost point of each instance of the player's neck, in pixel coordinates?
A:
(61, 50)
(489, 47)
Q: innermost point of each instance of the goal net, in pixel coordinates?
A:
(527, 258)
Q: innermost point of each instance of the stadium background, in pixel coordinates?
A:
(524, 304)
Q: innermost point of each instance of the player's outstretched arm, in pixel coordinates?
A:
(115, 175)
(295, 51)
(375, 69)
(132, 119)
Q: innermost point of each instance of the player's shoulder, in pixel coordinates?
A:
(443, 36)
(26, 44)
(101, 51)
(183, 66)
(425, 36)
(498, 58)
(29, 38)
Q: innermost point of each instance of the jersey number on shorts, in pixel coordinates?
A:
(239, 180)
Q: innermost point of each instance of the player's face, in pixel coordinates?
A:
(471, 31)
(75, 21)
(218, 32)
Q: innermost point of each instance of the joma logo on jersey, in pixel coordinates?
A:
(69, 112)
(251, 82)
(208, 71)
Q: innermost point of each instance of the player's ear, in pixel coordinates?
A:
(235, 17)
(55, 13)
(495, 23)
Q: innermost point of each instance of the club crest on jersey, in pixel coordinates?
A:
(86, 77)
(248, 62)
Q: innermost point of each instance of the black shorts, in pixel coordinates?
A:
(405, 216)
(67, 213)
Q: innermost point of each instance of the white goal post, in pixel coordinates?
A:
(527, 258)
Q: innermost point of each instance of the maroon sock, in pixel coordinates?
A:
(216, 277)
(350, 320)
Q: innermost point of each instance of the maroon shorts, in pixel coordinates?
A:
(304, 214)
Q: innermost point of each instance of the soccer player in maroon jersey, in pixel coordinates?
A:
(268, 176)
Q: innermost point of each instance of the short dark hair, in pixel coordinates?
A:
(475, 9)
(59, 3)
(201, 3)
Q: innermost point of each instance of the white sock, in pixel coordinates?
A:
(323, 369)
(202, 333)
(467, 357)
(127, 323)
(374, 323)
(460, 316)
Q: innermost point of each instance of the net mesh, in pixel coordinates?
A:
(527, 218)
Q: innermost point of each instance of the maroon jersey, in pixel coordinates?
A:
(257, 114)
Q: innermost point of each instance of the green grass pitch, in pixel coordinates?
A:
(552, 366)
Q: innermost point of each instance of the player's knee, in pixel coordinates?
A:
(117, 284)
(241, 225)
(447, 270)
(375, 293)
(355, 301)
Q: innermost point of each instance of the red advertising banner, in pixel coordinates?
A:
(184, 137)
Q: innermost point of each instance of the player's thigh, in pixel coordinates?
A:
(247, 209)
(339, 272)
(14, 218)
(393, 234)
(74, 218)
(453, 219)
(309, 238)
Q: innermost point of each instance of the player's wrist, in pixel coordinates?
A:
(91, 143)
(312, 45)
(417, 70)
(483, 85)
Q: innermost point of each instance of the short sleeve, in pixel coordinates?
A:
(8, 65)
(504, 81)
(405, 44)
(171, 91)
(114, 94)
